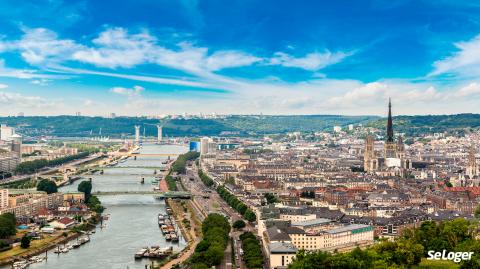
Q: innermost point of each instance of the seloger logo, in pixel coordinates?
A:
(452, 256)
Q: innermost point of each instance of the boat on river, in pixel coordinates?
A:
(155, 252)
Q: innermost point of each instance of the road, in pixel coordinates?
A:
(215, 204)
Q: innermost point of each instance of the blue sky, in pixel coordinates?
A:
(153, 57)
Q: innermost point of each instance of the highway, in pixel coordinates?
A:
(215, 204)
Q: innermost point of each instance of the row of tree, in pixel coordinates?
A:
(407, 251)
(252, 251)
(236, 204)
(29, 167)
(180, 163)
(209, 252)
(205, 179)
(171, 184)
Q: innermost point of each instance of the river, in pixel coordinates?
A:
(132, 222)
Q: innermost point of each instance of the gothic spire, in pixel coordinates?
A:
(389, 122)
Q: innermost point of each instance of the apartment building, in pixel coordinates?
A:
(29, 204)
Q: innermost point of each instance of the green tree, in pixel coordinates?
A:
(85, 187)
(25, 242)
(239, 224)
(7, 225)
(47, 186)
(477, 212)
(95, 205)
(200, 265)
(250, 216)
(214, 254)
(271, 198)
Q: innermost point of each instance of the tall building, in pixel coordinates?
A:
(390, 145)
(394, 159)
(472, 168)
(159, 133)
(3, 198)
(137, 133)
(16, 144)
(204, 145)
(370, 162)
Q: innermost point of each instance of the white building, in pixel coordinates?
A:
(281, 254)
(337, 129)
(204, 141)
(6, 132)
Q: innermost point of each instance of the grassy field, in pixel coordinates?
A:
(34, 246)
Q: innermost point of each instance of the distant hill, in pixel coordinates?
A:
(68, 126)
(413, 125)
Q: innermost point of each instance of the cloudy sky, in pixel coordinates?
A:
(147, 57)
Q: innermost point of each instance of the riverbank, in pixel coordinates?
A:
(37, 247)
(192, 234)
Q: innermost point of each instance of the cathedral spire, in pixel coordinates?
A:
(389, 122)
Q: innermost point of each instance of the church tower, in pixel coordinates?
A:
(390, 146)
(472, 169)
(370, 163)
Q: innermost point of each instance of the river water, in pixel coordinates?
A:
(132, 223)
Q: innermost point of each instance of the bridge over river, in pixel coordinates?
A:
(156, 194)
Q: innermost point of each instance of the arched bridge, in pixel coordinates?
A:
(156, 194)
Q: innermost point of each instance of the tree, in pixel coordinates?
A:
(214, 255)
(200, 266)
(477, 212)
(250, 216)
(271, 198)
(95, 205)
(86, 188)
(239, 224)
(7, 225)
(25, 242)
(47, 186)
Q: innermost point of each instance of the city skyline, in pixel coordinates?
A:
(270, 57)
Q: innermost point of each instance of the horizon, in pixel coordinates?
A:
(269, 57)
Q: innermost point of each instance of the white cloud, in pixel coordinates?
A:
(227, 59)
(41, 81)
(466, 61)
(130, 92)
(469, 90)
(117, 48)
(89, 102)
(25, 73)
(14, 100)
(42, 46)
(312, 61)
(3, 86)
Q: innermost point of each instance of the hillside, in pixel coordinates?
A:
(413, 125)
(68, 126)
(64, 126)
